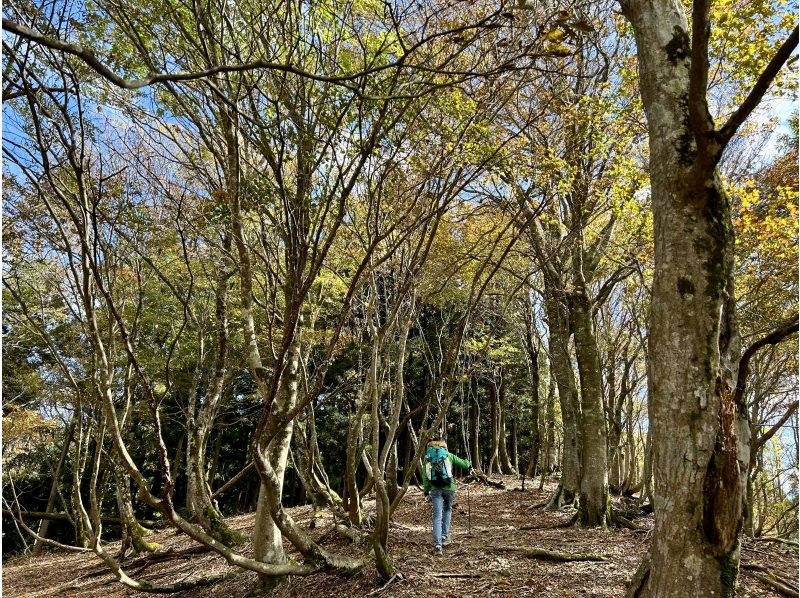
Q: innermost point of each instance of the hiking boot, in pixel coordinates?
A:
(437, 550)
(446, 541)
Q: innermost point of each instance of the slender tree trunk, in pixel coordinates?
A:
(200, 422)
(474, 425)
(352, 459)
(533, 372)
(133, 534)
(514, 450)
(495, 424)
(268, 541)
(550, 429)
(632, 471)
(561, 364)
(309, 470)
(502, 403)
(44, 525)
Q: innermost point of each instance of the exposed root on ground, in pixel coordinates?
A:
(782, 585)
(551, 555)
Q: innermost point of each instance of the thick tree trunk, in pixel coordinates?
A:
(700, 436)
(595, 504)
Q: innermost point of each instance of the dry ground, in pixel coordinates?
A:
(496, 518)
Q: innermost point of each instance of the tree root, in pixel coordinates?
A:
(783, 586)
(551, 555)
(621, 521)
(397, 577)
(639, 581)
(477, 476)
(773, 539)
(355, 535)
(560, 499)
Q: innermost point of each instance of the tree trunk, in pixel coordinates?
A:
(595, 504)
(474, 425)
(133, 534)
(561, 364)
(44, 524)
(533, 372)
(514, 450)
(309, 470)
(502, 403)
(700, 436)
(200, 421)
(495, 426)
(352, 459)
(267, 538)
(550, 428)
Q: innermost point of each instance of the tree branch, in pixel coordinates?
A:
(773, 338)
(698, 75)
(347, 80)
(759, 89)
(762, 440)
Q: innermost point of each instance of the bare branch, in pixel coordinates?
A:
(773, 338)
(759, 89)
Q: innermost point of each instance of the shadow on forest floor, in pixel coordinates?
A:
(473, 565)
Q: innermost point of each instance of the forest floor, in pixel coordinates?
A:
(477, 563)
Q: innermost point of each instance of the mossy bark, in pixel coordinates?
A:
(700, 436)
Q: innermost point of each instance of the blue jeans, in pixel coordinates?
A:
(442, 501)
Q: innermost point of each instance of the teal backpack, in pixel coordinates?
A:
(438, 467)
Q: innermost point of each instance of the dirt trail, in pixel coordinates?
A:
(471, 566)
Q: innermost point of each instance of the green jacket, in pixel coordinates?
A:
(463, 463)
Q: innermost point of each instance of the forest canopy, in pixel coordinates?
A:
(259, 254)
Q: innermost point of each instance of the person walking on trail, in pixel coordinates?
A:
(438, 483)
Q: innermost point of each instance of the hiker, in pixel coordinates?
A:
(439, 483)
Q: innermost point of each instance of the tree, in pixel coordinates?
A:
(700, 435)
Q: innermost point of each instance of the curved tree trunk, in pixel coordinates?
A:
(133, 534)
(267, 537)
(200, 422)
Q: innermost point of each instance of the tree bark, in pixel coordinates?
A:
(504, 459)
(561, 364)
(474, 424)
(595, 503)
(268, 540)
(533, 372)
(700, 436)
(494, 422)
